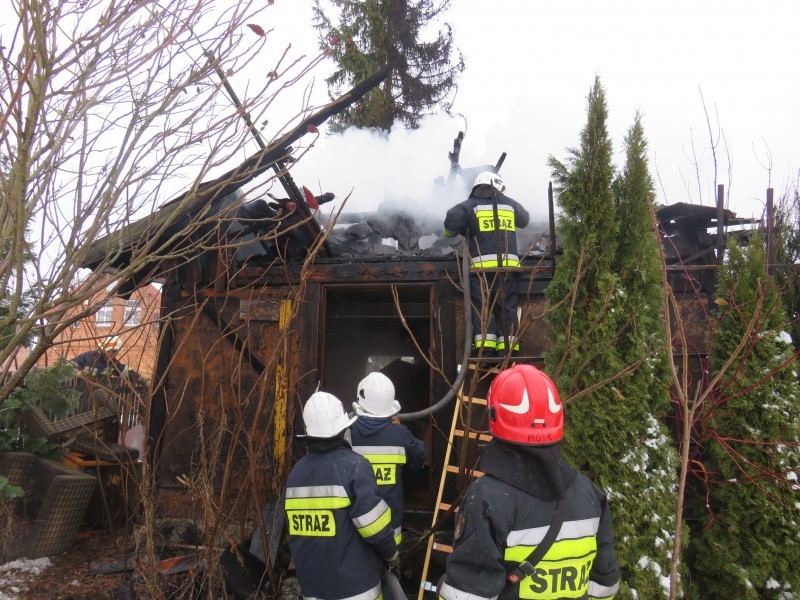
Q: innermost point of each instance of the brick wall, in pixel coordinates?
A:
(134, 319)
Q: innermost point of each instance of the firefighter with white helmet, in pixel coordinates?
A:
(490, 220)
(340, 533)
(527, 490)
(387, 445)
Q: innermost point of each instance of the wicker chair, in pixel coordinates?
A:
(52, 508)
(95, 423)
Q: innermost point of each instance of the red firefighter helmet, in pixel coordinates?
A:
(524, 407)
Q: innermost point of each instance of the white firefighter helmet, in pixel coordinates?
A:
(324, 416)
(376, 397)
(110, 344)
(492, 179)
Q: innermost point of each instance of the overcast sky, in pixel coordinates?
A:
(529, 66)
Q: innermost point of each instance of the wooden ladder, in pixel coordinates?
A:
(464, 435)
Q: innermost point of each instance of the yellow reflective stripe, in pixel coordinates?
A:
(556, 580)
(503, 346)
(377, 525)
(486, 220)
(487, 264)
(311, 523)
(501, 213)
(398, 536)
(385, 459)
(385, 474)
(560, 550)
(316, 503)
(485, 344)
(448, 233)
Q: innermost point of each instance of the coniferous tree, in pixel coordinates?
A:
(367, 35)
(645, 501)
(13, 306)
(787, 252)
(748, 544)
(605, 328)
(583, 290)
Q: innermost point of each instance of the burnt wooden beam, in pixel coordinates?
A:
(229, 333)
(139, 235)
(278, 150)
(158, 398)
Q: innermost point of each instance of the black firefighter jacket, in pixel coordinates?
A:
(499, 526)
(340, 532)
(489, 241)
(388, 446)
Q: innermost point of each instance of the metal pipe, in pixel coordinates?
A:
(445, 400)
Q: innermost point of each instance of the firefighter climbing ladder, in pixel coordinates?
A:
(460, 431)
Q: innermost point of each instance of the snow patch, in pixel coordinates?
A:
(646, 563)
(15, 575)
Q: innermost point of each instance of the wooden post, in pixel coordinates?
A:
(720, 223)
(281, 408)
(770, 218)
(552, 217)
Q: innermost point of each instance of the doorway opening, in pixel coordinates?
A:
(363, 333)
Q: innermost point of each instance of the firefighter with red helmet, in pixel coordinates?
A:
(507, 513)
(340, 533)
(490, 220)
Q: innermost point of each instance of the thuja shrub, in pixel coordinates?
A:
(747, 541)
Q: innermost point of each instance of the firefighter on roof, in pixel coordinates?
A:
(506, 513)
(386, 445)
(340, 532)
(491, 219)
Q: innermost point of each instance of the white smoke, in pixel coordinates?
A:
(401, 168)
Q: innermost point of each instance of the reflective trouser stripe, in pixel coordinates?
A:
(374, 521)
(316, 496)
(398, 536)
(491, 260)
(502, 343)
(382, 454)
(602, 592)
(488, 340)
(448, 592)
(373, 594)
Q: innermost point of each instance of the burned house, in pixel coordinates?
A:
(264, 301)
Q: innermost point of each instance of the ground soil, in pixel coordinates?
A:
(68, 577)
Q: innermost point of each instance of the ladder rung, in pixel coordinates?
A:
(474, 367)
(444, 507)
(474, 472)
(474, 434)
(472, 400)
(442, 547)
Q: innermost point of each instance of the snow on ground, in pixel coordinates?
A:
(15, 576)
